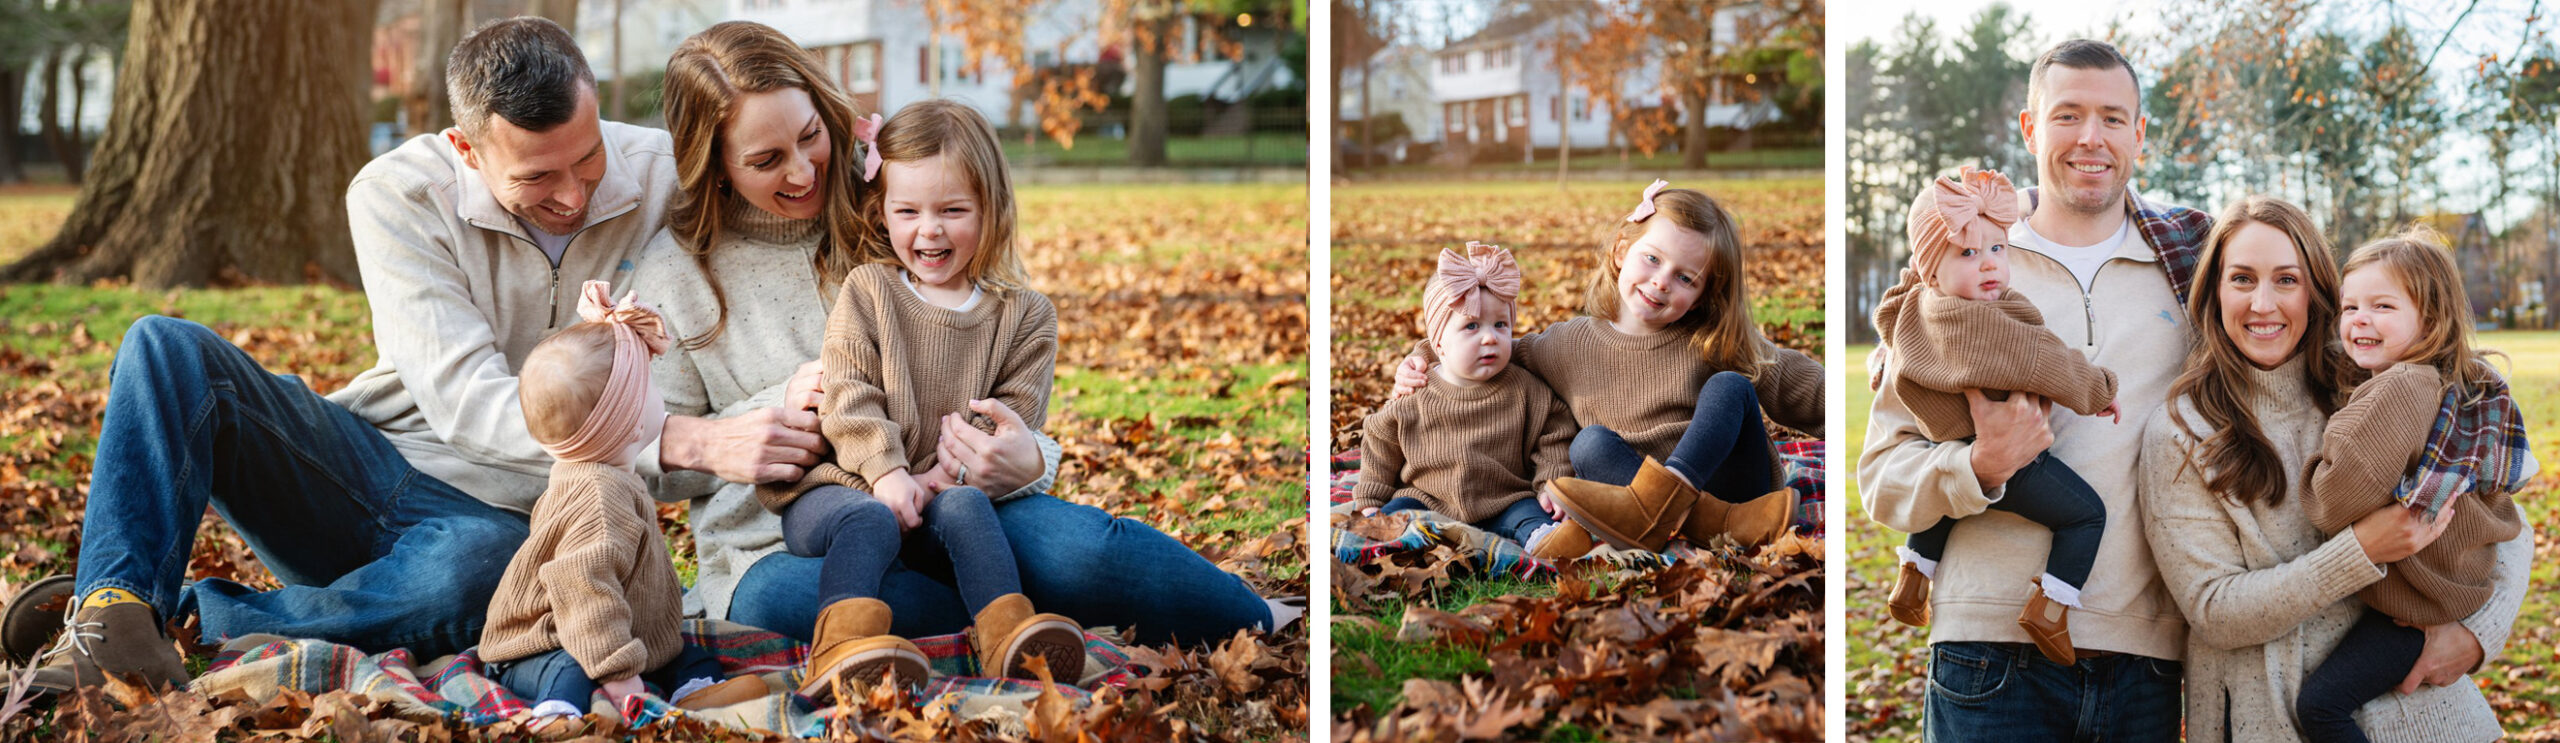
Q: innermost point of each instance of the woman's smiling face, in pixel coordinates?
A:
(2265, 294)
(775, 153)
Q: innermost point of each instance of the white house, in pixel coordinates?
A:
(651, 29)
(885, 56)
(1401, 88)
(1500, 89)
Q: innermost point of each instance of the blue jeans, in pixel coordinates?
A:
(2003, 691)
(2047, 492)
(557, 675)
(1516, 521)
(1075, 560)
(356, 534)
(856, 537)
(1724, 452)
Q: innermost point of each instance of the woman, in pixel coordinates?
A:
(2266, 596)
(760, 236)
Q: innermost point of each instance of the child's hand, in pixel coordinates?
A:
(1370, 511)
(807, 388)
(1547, 500)
(904, 497)
(2112, 413)
(622, 688)
(1410, 376)
(938, 479)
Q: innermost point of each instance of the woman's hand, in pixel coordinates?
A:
(1411, 375)
(905, 498)
(807, 387)
(998, 463)
(2392, 533)
(2451, 651)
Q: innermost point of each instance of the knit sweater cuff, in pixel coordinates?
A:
(629, 659)
(879, 465)
(2341, 567)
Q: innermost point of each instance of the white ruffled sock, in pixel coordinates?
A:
(2060, 592)
(1928, 567)
(690, 687)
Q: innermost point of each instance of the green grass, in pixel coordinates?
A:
(1276, 149)
(1354, 684)
(1875, 641)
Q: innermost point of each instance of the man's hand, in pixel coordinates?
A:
(2451, 651)
(764, 446)
(2007, 434)
(998, 463)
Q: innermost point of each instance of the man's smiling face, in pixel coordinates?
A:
(2085, 128)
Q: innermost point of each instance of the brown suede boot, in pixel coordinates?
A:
(852, 641)
(1910, 604)
(1568, 540)
(1007, 634)
(120, 639)
(2048, 622)
(1639, 515)
(725, 693)
(33, 618)
(1751, 523)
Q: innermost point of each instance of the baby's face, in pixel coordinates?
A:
(1974, 273)
(1473, 349)
(653, 421)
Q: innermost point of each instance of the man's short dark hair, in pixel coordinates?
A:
(526, 70)
(2082, 54)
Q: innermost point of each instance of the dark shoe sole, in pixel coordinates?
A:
(27, 626)
(861, 671)
(1061, 643)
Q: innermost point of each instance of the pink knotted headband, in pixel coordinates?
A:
(638, 334)
(1468, 282)
(867, 131)
(1645, 208)
(1972, 210)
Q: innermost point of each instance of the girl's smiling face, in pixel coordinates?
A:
(933, 217)
(2379, 321)
(1660, 277)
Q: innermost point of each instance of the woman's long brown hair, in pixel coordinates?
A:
(2237, 459)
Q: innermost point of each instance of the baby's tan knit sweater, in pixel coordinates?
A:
(896, 364)
(592, 578)
(1467, 452)
(2368, 446)
(1944, 344)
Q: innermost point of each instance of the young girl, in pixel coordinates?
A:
(2434, 424)
(936, 323)
(1479, 441)
(1668, 376)
(591, 599)
(1954, 324)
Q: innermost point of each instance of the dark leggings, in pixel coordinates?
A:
(1725, 452)
(1516, 521)
(856, 537)
(2047, 492)
(555, 675)
(2375, 656)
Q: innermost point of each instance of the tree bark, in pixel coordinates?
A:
(65, 149)
(1693, 139)
(235, 129)
(440, 27)
(1148, 124)
(13, 88)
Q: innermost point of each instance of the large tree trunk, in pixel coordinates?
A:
(441, 24)
(1148, 125)
(227, 156)
(13, 88)
(1693, 133)
(65, 147)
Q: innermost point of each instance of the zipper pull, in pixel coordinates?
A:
(553, 320)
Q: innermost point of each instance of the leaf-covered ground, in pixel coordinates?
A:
(1727, 646)
(1888, 661)
(1181, 401)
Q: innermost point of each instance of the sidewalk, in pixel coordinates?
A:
(1070, 175)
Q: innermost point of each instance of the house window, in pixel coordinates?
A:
(1582, 108)
(1520, 110)
(862, 67)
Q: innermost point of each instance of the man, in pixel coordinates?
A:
(2111, 272)
(390, 508)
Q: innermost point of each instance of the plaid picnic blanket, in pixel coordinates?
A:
(1800, 464)
(457, 686)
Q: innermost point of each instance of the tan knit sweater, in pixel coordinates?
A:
(896, 364)
(1943, 345)
(2369, 445)
(1467, 452)
(592, 578)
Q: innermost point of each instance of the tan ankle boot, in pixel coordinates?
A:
(852, 641)
(1751, 523)
(1008, 634)
(2048, 623)
(1639, 515)
(1566, 541)
(1910, 604)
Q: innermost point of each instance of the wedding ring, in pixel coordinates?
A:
(960, 474)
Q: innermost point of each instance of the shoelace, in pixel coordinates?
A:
(76, 634)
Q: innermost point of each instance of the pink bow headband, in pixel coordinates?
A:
(638, 334)
(1974, 209)
(1465, 282)
(1645, 208)
(867, 131)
